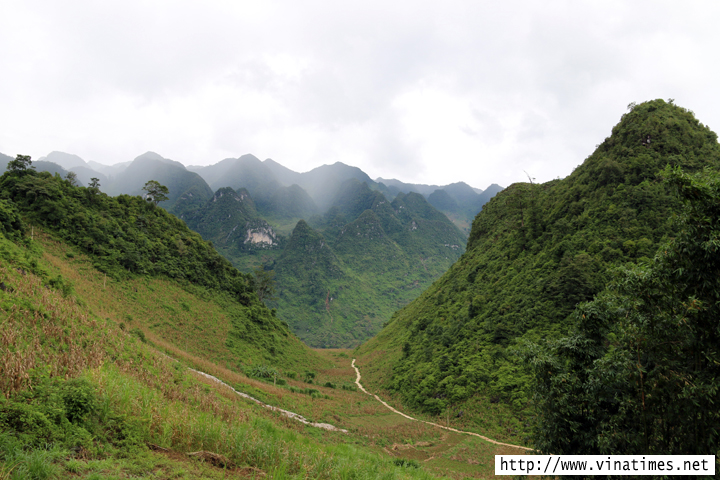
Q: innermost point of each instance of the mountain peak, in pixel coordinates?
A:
(65, 160)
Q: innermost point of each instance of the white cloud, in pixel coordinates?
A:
(426, 92)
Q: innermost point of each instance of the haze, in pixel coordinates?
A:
(425, 92)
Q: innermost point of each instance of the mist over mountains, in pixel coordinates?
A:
(346, 250)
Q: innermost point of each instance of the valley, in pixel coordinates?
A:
(577, 317)
(265, 216)
(135, 385)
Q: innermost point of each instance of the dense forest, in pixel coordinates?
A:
(536, 252)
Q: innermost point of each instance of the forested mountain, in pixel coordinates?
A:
(459, 201)
(252, 217)
(231, 221)
(534, 253)
(339, 281)
(340, 275)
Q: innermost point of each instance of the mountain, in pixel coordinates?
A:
(340, 275)
(130, 348)
(321, 184)
(187, 190)
(283, 204)
(459, 201)
(324, 182)
(340, 279)
(108, 170)
(246, 172)
(231, 222)
(86, 174)
(275, 199)
(283, 174)
(65, 160)
(424, 190)
(536, 251)
(53, 168)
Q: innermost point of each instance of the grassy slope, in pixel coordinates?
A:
(142, 398)
(127, 395)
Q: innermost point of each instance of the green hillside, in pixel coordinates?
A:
(87, 392)
(128, 238)
(231, 222)
(534, 253)
(340, 279)
(341, 275)
(95, 358)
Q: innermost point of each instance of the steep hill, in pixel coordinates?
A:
(370, 256)
(231, 222)
(535, 252)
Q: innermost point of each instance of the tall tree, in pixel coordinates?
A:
(20, 166)
(154, 192)
(264, 284)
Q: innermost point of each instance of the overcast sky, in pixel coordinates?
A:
(426, 92)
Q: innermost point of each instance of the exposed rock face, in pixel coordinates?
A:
(262, 236)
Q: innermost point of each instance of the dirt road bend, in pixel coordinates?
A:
(357, 382)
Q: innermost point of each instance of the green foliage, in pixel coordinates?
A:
(406, 463)
(535, 252)
(62, 412)
(21, 165)
(155, 192)
(262, 371)
(640, 373)
(139, 334)
(264, 284)
(10, 223)
(124, 234)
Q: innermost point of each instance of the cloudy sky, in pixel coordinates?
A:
(426, 92)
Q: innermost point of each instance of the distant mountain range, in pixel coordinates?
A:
(346, 250)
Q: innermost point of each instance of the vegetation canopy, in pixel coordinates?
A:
(535, 252)
(640, 373)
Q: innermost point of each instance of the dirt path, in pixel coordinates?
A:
(357, 382)
(287, 413)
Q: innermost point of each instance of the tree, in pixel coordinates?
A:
(71, 177)
(93, 189)
(154, 192)
(20, 166)
(264, 284)
(640, 374)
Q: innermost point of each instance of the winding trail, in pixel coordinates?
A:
(357, 382)
(287, 413)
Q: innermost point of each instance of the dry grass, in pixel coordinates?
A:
(53, 333)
